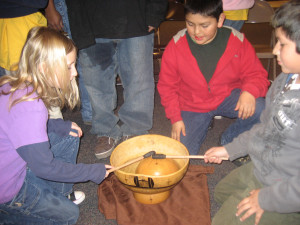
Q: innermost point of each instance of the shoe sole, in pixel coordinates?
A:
(79, 200)
(104, 155)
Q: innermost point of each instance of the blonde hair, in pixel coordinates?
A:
(43, 66)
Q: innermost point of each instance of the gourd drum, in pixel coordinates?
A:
(151, 181)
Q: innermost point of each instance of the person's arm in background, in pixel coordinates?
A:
(54, 19)
(155, 13)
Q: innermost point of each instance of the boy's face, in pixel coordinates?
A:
(285, 51)
(202, 29)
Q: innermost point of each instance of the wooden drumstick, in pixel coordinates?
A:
(163, 156)
(151, 153)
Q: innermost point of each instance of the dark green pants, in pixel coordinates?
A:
(233, 189)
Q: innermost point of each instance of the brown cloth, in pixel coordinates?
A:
(187, 204)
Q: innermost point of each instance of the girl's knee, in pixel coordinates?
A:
(70, 213)
(74, 215)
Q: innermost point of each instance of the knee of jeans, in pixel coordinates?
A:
(69, 214)
(74, 215)
(260, 105)
(76, 140)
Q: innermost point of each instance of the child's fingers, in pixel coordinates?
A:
(73, 134)
(183, 131)
(74, 126)
(175, 134)
(108, 166)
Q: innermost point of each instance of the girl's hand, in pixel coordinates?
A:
(74, 126)
(250, 205)
(215, 155)
(245, 105)
(177, 128)
(107, 167)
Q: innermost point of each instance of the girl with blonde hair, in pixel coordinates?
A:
(38, 155)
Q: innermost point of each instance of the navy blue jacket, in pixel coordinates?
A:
(18, 8)
(114, 19)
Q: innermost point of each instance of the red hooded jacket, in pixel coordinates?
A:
(182, 86)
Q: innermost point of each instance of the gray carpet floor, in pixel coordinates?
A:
(89, 213)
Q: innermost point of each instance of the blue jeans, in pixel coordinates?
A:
(236, 24)
(132, 60)
(42, 201)
(3, 71)
(86, 108)
(197, 124)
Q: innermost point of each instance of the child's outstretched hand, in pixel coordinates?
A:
(177, 128)
(245, 105)
(215, 155)
(249, 206)
(74, 126)
(107, 167)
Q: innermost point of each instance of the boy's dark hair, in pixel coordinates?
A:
(288, 18)
(212, 8)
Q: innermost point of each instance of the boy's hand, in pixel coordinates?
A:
(177, 128)
(245, 105)
(214, 155)
(74, 126)
(250, 205)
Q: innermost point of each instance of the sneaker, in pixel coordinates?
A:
(218, 117)
(126, 137)
(241, 161)
(105, 146)
(77, 197)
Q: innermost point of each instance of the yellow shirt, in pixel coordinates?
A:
(241, 14)
(13, 34)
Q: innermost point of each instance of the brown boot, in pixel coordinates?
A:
(105, 146)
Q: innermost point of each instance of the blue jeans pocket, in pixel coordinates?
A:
(26, 199)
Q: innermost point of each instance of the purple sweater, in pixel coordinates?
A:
(24, 142)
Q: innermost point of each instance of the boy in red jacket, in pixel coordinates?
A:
(208, 70)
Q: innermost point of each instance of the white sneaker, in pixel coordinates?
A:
(77, 197)
(218, 117)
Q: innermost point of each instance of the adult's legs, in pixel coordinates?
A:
(196, 126)
(98, 63)
(86, 108)
(3, 71)
(135, 62)
(239, 126)
(236, 24)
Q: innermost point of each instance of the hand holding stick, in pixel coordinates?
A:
(163, 156)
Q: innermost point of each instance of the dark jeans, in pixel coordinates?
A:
(197, 124)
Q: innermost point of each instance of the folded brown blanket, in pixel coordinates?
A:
(187, 204)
